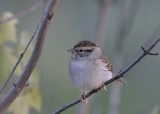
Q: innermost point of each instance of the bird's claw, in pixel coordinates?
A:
(104, 87)
(83, 98)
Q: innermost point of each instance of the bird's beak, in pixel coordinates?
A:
(71, 50)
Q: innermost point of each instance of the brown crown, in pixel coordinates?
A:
(84, 43)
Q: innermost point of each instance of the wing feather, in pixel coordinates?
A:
(108, 66)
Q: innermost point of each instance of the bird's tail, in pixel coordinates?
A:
(121, 81)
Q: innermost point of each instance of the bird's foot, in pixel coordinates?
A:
(83, 98)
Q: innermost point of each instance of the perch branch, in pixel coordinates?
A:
(119, 75)
(22, 80)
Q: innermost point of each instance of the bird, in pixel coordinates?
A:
(89, 68)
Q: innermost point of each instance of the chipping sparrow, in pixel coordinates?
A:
(89, 68)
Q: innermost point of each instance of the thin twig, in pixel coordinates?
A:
(21, 82)
(20, 58)
(119, 75)
(149, 53)
(24, 13)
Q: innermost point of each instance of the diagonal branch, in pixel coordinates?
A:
(119, 75)
(22, 80)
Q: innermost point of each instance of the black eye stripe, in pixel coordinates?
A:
(88, 50)
(84, 50)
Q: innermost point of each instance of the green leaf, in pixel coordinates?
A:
(34, 99)
(8, 29)
(29, 98)
(7, 61)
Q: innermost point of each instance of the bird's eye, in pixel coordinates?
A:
(80, 50)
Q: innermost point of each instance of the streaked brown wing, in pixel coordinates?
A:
(105, 60)
(119, 81)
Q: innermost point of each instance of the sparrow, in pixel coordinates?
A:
(89, 68)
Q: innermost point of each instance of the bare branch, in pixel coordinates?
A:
(149, 53)
(119, 75)
(21, 82)
(21, 14)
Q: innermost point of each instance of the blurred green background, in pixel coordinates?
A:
(137, 21)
